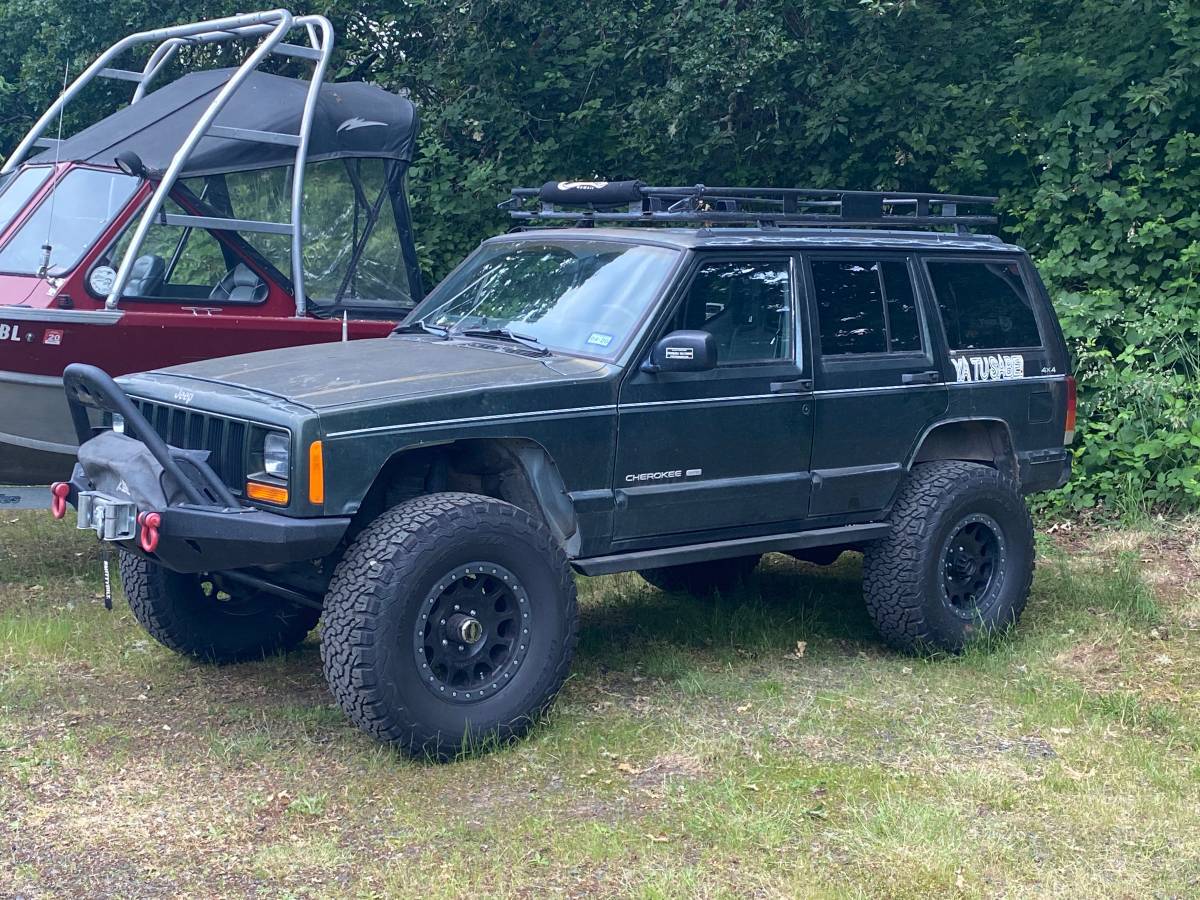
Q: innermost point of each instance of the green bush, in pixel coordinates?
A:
(1081, 114)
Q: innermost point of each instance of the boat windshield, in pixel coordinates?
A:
(578, 296)
(69, 220)
(19, 190)
(353, 252)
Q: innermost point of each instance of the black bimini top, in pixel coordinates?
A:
(352, 120)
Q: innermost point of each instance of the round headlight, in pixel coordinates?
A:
(277, 455)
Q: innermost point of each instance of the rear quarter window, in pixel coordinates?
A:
(984, 304)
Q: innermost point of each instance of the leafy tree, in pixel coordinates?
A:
(1081, 114)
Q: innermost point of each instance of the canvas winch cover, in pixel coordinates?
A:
(352, 120)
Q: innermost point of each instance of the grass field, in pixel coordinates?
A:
(760, 745)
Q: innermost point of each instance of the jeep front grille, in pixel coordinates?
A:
(226, 440)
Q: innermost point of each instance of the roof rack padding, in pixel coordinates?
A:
(591, 193)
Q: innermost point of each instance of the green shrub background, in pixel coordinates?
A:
(1081, 114)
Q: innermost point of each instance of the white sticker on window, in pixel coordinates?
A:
(989, 368)
(600, 339)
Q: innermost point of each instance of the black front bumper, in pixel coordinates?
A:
(209, 530)
(207, 539)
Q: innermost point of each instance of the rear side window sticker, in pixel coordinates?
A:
(989, 368)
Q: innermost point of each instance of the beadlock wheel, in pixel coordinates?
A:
(973, 557)
(450, 623)
(958, 562)
(473, 632)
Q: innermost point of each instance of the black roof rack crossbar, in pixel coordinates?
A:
(633, 203)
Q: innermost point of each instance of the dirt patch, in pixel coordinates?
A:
(666, 768)
(1090, 660)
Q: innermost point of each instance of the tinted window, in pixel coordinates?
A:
(984, 305)
(904, 327)
(866, 306)
(746, 306)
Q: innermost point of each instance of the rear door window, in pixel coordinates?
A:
(984, 305)
(866, 306)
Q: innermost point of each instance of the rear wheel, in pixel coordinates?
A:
(450, 623)
(192, 615)
(703, 578)
(959, 560)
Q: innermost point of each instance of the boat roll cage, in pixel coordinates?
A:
(584, 203)
(270, 28)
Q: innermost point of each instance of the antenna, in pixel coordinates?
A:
(48, 248)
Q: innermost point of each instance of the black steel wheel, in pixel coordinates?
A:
(973, 558)
(450, 624)
(958, 563)
(473, 632)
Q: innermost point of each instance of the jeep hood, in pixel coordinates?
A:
(325, 376)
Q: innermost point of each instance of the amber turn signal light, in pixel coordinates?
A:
(316, 473)
(268, 493)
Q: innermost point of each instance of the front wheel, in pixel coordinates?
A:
(450, 624)
(958, 563)
(194, 616)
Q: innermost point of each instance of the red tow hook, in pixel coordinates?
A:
(60, 490)
(149, 523)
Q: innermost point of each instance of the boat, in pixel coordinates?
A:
(220, 211)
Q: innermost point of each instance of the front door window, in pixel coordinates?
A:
(746, 306)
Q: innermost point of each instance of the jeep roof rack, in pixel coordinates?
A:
(633, 203)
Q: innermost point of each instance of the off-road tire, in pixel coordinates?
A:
(390, 574)
(903, 573)
(703, 578)
(183, 616)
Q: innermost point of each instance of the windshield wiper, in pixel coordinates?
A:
(504, 334)
(419, 327)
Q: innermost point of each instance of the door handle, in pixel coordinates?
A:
(920, 377)
(799, 386)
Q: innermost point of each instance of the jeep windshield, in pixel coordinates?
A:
(582, 296)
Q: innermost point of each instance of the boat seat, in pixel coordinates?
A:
(242, 285)
(146, 276)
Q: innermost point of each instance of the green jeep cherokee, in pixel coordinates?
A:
(790, 371)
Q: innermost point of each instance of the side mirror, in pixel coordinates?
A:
(683, 351)
(131, 164)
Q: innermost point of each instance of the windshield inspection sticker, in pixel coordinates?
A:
(989, 368)
(600, 339)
